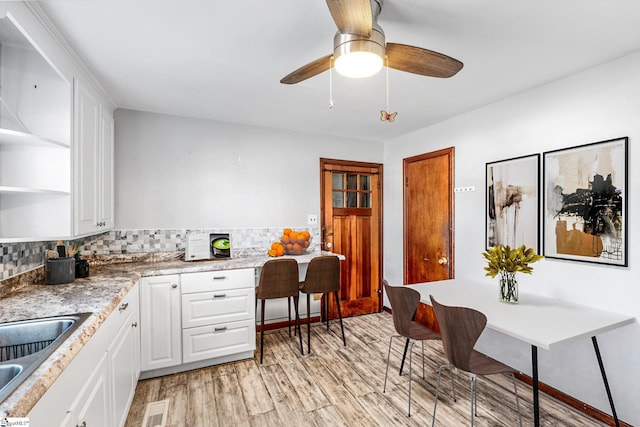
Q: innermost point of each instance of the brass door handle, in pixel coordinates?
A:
(442, 261)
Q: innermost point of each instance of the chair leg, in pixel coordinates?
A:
(386, 374)
(474, 406)
(261, 330)
(410, 363)
(344, 340)
(297, 324)
(289, 312)
(435, 405)
(308, 323)
(423, 376)
(325, 296)
(515, 391)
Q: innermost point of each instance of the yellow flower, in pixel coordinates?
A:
(504, 259)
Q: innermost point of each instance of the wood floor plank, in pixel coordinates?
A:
(256, 396)
(230, 405)
(336, 385)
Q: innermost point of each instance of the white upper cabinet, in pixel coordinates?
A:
(35, 136)
(56, 135)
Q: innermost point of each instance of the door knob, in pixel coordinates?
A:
(442, 261)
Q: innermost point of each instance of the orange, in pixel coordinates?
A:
(305, 234)
(271, 252)
(286, 231)
(297, 248)
(294, 235)
(284, 239)
(275, 245)
(306, 243)
(280, 251)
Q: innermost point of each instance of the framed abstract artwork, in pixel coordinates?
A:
(585, 203)
(513, 202)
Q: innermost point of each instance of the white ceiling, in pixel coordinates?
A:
(223, 60)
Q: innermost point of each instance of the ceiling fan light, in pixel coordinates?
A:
(358, 64)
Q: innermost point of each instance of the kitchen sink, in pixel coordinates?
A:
(24, 345)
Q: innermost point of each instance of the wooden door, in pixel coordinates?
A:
(351, 225)
(428, 217)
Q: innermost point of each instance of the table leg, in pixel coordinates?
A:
(604, 379)
(536, 401)
(404, 355)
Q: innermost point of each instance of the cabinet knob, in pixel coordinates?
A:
(174, 286)
(123, 306)
(134, 325)
(84, 424)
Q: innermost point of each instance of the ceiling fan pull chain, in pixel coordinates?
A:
(385, 115)
(331, 82)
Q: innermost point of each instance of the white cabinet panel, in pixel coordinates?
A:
(222, 339)
(206, 308)
(160, 322)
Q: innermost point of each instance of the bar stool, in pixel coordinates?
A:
(322, 277)
(278, 279)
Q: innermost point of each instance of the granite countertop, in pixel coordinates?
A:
(98, 294)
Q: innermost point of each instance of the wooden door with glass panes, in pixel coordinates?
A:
(351, 214)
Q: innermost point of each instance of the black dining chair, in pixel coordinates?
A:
(460, 328)
(404, 303)
(322, 277)
(278, 279)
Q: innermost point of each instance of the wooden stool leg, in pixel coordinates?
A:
(262, 331)
(289, 311)
(297, 324)
(340, 316)
(326, 308)
(308, 323)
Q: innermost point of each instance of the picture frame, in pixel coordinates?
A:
(585, 203)
(512, 202)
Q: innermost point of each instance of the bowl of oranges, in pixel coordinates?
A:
(291, 243)
(295, 242)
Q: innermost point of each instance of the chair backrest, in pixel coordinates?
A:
(460, 328)
(404, 303)
(278, 279)
(323, 275)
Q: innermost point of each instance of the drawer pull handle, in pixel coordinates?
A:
(219, 277)
(219, 296)
(220, 329)
(124, 306)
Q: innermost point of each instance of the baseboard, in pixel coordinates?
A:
(285, 324)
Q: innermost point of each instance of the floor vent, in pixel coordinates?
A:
(156, 414)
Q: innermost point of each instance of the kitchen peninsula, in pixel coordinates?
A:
(102, 294)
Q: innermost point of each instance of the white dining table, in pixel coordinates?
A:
(540, 321)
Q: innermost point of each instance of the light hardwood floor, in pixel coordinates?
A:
(338, 386)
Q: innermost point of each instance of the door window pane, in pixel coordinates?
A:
(352, 182)
(337, 179)
(365, 182)
(365, 200)
(338, 199)
(352, 199)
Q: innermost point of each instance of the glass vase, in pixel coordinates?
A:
(508, 287)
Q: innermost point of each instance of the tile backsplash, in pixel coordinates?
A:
(20, 257)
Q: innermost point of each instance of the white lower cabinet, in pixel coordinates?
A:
(160, 330)
(97, 387)
(207, 318)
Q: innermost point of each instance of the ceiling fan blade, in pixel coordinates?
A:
(314, 68)
(421, 61)
(351, 16)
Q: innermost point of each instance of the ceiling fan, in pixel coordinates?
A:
(359, 48)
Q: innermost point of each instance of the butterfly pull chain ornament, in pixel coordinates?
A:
(384, 115)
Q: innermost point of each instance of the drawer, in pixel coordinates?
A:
(208, 308)
(214, 280)
(207, 342)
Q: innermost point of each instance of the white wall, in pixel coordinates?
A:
(175, 172)
(598, 104)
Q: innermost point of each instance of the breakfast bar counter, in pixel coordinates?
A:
(99, 294)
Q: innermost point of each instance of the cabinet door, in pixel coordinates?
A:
(92, 405)
(124, 360)
(86, 141)
(105, 158)
(160, 329)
